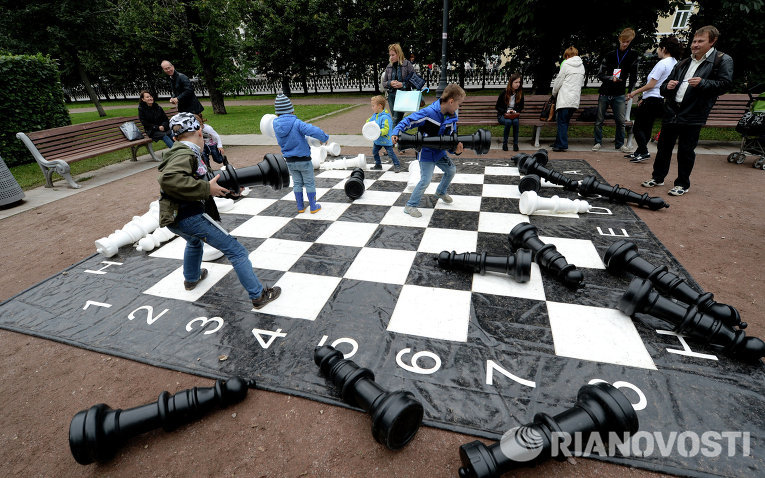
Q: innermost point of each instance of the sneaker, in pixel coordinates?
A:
(190, 285)
(596, 147)
(445, 198)
(624, 149)
(560, 150)
(377, 167)
(268, 295)
(412, 211)
(651, 183)
(678, 191)
(396, 168)
(630, 156)
(639, 158)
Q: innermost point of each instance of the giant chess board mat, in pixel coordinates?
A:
(483, 353)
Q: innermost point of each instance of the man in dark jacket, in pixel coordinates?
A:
(690, 91)
(616, 67)
(182, 91)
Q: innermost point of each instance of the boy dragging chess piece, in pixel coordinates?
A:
(440, 118)
(290, 134)
(187, 208)
(384, 121)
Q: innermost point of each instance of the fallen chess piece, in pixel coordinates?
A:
(480, 141)
(623, 256)
(96, 434)
(600, 409)
(524, 235)
(535, 164)
(318, 156)
(688, 320)
(530, 182)
(332, 149)
(590, 186)
(153, 240)
(396, 416)
(517, 266)
(132, 232)
(272, 171)
(531, 203)
(345, 163)
(354, 186)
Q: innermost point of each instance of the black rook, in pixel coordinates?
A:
(524, 235)
(591, 187)
(480, 141)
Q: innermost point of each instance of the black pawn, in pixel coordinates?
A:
(641, 298)
(96, 434)
(530, 182)
(354, 186)
(535, 164)
(599, 409)
(524, 235)
(623, 256)
(590, 186)
(517, 266)
(396, 416)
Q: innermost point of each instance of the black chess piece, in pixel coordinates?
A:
(480, 141)
(530, 182)
(524, 235)
(272, 171)
(96, 434)
(517, 266)
(623, 256)
(688, 320)
(590, 186)
(600, 409)
(396, 416)
(354, 186)
(535, 164)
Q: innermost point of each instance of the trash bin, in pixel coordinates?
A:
(10, 191)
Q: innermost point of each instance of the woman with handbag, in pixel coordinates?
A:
(153, 118)
(394, 79)
(509, 106)
(567, 88)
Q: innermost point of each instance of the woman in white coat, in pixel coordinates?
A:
(567, 89)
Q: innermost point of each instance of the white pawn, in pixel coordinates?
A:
(530, 203)
(333, 149)
(318, 156)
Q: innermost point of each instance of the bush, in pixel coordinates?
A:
(31, 99)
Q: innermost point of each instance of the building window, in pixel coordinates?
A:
(682, 15)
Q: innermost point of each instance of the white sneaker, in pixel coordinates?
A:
(412, 211)
(596, 147)
(624, 149)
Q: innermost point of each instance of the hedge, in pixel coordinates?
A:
(31, 99)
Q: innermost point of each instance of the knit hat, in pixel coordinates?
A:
(183, 123)
(283, 105)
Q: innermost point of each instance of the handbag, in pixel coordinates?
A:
(131, 131)
(548, 110)
(407, 101)
(512, 116)
(415, 81)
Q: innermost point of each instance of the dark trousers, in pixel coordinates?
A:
(649, 109)
(562, 118)
(687, 137)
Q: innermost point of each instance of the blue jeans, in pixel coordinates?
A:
(508, 122)
(618, 106)
(214, 153)
(198, 229)
(376, 154)
(302, 176)
(168, 141)
(563, 117)
(426, 173)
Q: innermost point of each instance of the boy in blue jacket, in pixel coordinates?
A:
(439, 118)
(384, 121)
(290, 134)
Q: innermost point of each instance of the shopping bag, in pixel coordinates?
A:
(131, 131)
(407, 101)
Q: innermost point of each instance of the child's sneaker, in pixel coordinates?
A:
(268, 295)
(376, 167)
(396, 168)
(189, 285)
(445, 198)
(412, 211)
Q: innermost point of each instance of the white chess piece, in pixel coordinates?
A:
(153, 240)
(333, 149)
(223, 204)
(414, 176)
(267, 125)
(318, 156)
(370, 130)
(131, 232)
(345, 163)
(530, 203)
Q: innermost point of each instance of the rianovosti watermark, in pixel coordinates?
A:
(524, 444)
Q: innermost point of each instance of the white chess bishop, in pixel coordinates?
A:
(531, 202)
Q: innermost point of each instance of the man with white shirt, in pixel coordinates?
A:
(690, 91)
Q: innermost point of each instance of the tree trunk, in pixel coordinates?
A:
(209, 70)
(286, 85)
(88, 85)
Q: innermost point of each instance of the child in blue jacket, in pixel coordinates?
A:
(384, 121)
(440, 118)
(290, 134)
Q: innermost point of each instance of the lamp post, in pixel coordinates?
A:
(444, 69)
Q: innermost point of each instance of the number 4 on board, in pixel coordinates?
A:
(258, 333)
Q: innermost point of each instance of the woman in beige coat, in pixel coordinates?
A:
(567, 88)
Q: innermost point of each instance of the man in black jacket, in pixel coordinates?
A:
(616, 67)
(182, 91)
(690, 91)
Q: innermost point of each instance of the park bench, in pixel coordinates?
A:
(55, 148)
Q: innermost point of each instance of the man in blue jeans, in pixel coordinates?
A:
(616, 67)
(187, 209)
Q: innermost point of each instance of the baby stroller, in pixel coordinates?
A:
(752, 129)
